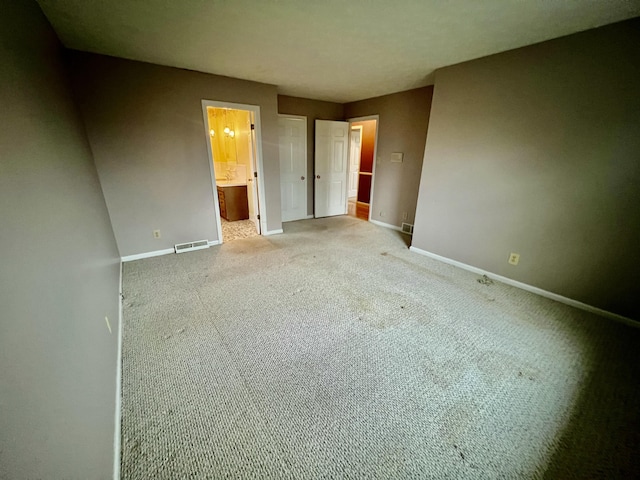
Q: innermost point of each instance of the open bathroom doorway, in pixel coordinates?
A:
(233, 139)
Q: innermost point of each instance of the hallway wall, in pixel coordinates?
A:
(402, 127)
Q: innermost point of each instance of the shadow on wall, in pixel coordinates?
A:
(602, 438)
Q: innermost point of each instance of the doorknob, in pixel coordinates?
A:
(301, 178)
(317, 176)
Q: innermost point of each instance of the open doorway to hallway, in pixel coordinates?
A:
(362, 154)
(231, 134)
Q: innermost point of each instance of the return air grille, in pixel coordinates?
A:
(191, 246)
(407, 228)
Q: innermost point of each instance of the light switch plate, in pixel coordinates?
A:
(397, 157)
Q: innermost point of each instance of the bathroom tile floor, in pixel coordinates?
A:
(238, 229)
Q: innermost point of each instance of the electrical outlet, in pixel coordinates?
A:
(156, 234)
(514, 258)
(381, 213)
(404, 215)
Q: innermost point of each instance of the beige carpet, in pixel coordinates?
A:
(331, 351)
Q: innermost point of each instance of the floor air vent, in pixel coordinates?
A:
(191, 246)
(407, 228)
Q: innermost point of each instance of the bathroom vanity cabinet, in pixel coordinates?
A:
(233, 202)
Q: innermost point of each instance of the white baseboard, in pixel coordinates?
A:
(308, 217)
(530, 288)
(117, 445)
(272, 232)
(386, 225)
(157, 253)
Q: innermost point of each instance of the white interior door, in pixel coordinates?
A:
(293, 167)
(331, 168)
(354, 160)
(252, 180)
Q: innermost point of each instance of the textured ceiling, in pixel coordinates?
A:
(323, 49)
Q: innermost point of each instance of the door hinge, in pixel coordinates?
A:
(258, 216)
(255, 174)
(253, 127)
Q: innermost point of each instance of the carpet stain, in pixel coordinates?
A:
(499, 366)
(459, 452)
(457, 420)
(444, 376)
(380, 311)
(423, 270)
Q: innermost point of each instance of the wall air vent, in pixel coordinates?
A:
(191, 246)
(407, 228)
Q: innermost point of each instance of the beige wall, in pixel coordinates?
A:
(147, 133)
(59, 275)
(535, 151)
(404, 118)
(313, 110)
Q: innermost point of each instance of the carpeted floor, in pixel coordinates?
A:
(331, 351)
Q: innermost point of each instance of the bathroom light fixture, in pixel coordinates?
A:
(229, 132)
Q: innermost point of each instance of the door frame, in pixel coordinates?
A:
(306, 159)
(351, 128)
(258, 160)
(375, 153)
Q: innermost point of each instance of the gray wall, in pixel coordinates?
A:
(147, 134)
(60, 269)
(404, 119)
(313, 110)
(536, 151)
